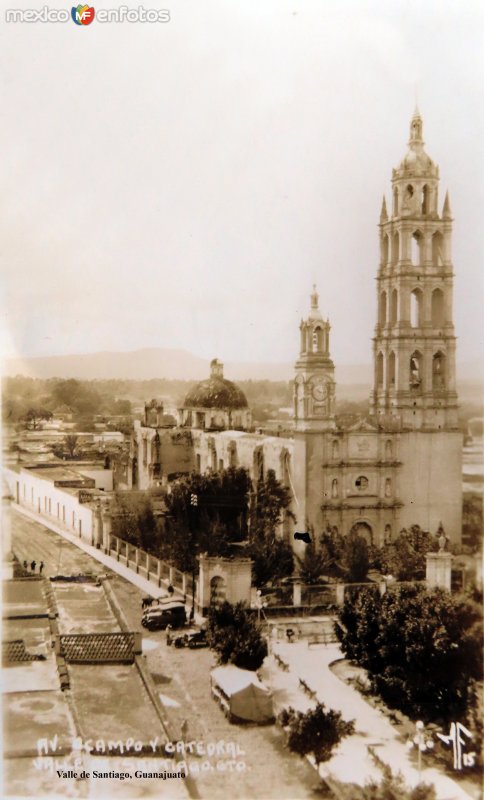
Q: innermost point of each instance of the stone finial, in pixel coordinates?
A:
(446, 212)
(383, 212)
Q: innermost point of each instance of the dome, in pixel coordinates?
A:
(216, 392)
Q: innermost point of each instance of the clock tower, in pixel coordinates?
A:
(314, 384)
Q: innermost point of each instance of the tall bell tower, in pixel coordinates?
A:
(414, 343)
(314, 384)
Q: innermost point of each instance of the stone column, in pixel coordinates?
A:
(438, 570)
(106, 530)
(340, 593)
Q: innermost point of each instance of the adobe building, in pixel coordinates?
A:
(399, 466)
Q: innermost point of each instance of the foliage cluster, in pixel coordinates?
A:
(236, 636)
(421, 648)
(269, 506)
(30, 400)
(317, 731)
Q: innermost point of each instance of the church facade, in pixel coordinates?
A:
(400, 465)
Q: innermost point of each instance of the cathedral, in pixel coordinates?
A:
(400, 465)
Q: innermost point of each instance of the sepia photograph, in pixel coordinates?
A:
(242, 400)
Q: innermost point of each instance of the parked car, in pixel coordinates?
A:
(172, 614)
(192, 640)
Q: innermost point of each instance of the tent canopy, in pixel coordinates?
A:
(248, 698)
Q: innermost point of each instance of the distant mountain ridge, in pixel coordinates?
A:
(157, 362)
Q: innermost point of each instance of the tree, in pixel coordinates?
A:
(316, 732)
(205, 514)
(134, 522)
(405, 557)
(236, 636)
(270, 506)
(273, 558)
(34, 416)
(355, 557)
(70, 442)
(421, 648)
(314, 564)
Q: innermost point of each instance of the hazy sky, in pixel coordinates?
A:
(182, 185)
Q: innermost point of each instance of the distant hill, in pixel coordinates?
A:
(159, 363)
(181, 365)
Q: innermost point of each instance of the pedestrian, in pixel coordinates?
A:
(25, 564)
(32, 566)
(168, 635)
(184, 730)
(41, 567)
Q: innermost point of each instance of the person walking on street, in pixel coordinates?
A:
(41, 567)
(32, 566)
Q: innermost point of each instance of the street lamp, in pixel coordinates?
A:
(422, 742)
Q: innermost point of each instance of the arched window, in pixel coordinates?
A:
(379, 369)
(232, 455)
(415, 378)
(416, 305)
(388, 534)
(383, 308)
(395, 202)
(218, 590)
(395, 247)
(258, 464)
(335, 449)
(388, 487)
(416, 248)
(425, 199)
(384, 250)
(437, 249)
(408, 198)
(334, 488)
(391, 370)
(437, 308)
(364, 530)
(438, 371)
(317, 340)
(394, 307)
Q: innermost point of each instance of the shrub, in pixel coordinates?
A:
(316, 732)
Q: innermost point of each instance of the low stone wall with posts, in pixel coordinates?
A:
(158, 572)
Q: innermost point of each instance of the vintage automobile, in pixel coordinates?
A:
(172, 614)
(192, 640)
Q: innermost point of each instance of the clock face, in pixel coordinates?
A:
(319, 391)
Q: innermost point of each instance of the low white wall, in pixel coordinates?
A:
(49, 502)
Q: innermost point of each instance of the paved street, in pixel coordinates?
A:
(182, 677)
